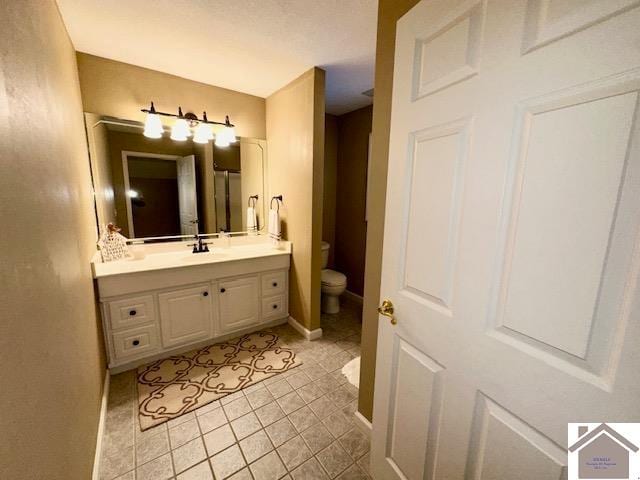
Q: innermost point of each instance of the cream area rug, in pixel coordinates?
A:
(179, 384)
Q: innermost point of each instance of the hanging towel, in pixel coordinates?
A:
(252, 221)
(274, 226)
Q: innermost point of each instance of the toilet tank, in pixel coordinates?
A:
(325, 254)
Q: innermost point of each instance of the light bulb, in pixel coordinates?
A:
(153, 126)
(203, 133)
(180, 130)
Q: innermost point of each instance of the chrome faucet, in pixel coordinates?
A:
(200, 246)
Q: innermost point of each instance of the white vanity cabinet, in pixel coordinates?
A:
(239, 300)
(186, 315)
(153, 313)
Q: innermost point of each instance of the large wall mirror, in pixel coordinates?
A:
(161, 187)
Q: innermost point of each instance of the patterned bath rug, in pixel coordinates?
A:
(179, 384)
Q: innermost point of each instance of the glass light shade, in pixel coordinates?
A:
(221, 139)
(230, 132)
(203, 133)
(180, 130)
(153, 126)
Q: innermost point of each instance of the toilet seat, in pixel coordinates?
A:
(332, 278)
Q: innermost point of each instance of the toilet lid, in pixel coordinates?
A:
(331, 277)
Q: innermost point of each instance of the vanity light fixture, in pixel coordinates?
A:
(187, 123)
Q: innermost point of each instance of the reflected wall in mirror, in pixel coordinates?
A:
(161, 187)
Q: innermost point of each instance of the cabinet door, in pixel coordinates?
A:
(185, 315)
(239, 303)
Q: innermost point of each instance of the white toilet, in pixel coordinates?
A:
(333, 284)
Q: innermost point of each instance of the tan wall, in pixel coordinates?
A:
(295, 132)
(389, 11)
(53, 364)
(329, 188)
(121, 90)
(351, 192)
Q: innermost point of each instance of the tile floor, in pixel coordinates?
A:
(296, 425)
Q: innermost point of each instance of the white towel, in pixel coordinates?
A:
(274, 226)
(252, 221)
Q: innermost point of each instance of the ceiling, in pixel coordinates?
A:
(252, 46)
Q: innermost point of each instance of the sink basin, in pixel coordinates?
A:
(199, 257)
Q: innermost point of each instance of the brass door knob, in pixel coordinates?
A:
(386, 309)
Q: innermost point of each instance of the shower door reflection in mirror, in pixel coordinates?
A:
(161, 187)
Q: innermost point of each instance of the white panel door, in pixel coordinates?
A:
(186, 315)
(511, 248)
(239, 303)
(187, 196)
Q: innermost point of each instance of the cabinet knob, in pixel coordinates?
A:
(274, 306)
(205, 294)
(136, 343)
(222, 290)
(275, 284)
(132, 313)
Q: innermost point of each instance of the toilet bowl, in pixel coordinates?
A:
(333, 284)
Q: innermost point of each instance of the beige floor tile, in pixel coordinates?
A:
(188, 455)
(208, 407)
(269, 467)
(158, 469)
(341, 396)
(298, 380)
(202, 471)
(279, 388)
(290, 402)
(212, 420)
(255, 446)
(237, 408)
(338, 423)
(355, 442)
(119, 462)
(259, 398)
(152, 447)
(303, 418)
(183, 433)
(364, 464)
(231, 397)
(246, 425)
(310, 392)
(243, 474)
(128, 476)
(353, 473)
(322, 407)
(294, 452)
(281, 431)
(181, 419)
(227, 462)
(219, 439)
(317, 437)
(269, 413)
(334, 459)
(310, 470)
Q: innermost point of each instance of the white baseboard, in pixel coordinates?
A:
(101, 426)
(305, 332)
(354, 297)
(363, 424)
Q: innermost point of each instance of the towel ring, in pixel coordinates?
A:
(255, 201)
(278, 199)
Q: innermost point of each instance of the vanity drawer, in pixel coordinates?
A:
(273, 283)
(130, 312)
(273, 307)
(135, 342)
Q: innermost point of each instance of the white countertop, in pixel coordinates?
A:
(178, 255)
